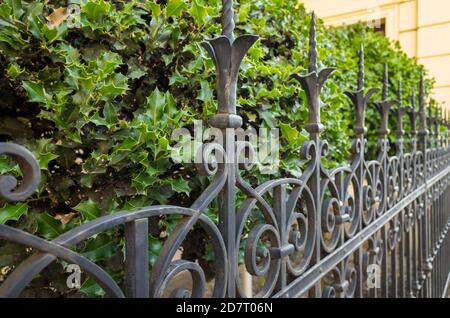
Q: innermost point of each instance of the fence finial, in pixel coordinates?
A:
(422, 115)
(227, 55)
(412, 113)
(436, 120)
(228, 19)
(312, 45)
(384, 107)
(385, 82)
(313, 82)
(361, 69)
(358, 98)
(400, 112)
(430, 114)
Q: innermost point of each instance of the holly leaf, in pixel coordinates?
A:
(292, 135)
(91, 288)
(156, 104)
(154, 7)
(45, 158)
(48, 226)
(35, 91)
(180, 186)
(145, 179)
(206, 93)
(12, 212)
(198, 12)
(88, 210)
(174, 7)
(100, 248)
(14, 70)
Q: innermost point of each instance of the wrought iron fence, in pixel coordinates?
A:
(375, 228)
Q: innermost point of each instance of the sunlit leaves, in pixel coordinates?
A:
(198, 12)
(174, 7)
(107, 94)
(96, 12)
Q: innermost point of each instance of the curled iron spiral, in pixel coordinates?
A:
(9, 189)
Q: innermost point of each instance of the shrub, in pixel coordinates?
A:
(97, 102)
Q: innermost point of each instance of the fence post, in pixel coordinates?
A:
(383, 147)
(400, 112)
(359, 101)
(312, 83)
(227, 54)
(422, 288)
(412, 239)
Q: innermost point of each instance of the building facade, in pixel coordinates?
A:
(421, 26)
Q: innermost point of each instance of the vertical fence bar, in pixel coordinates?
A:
(312, 83)
(136, 261)
(411, 234)
(279, 197)
(383, 147)
(399, 277)
(227, 196)
(227, 54)
(423, 234)
(359, 100)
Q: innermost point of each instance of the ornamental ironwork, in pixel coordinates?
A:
(324, 234)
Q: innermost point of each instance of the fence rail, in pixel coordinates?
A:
(376, 228)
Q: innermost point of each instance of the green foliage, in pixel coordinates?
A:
(97, 102)
(11, 212)
(88, 210)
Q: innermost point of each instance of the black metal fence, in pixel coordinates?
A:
(375, 228)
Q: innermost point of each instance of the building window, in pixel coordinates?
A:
(379, 25)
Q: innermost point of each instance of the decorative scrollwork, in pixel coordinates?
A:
(209, 157)
(340, 281)
(30, 170)
(316, 234)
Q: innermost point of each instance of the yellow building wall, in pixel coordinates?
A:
(421, 26)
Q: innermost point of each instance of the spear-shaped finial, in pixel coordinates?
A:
(312, 45)
(421, 94)
(385, 82)
(422, 116)
(413, 116)
(436, 121)
(430, 116)
(399, 92)
(361, 69)
(437, 114)
(228, 19)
